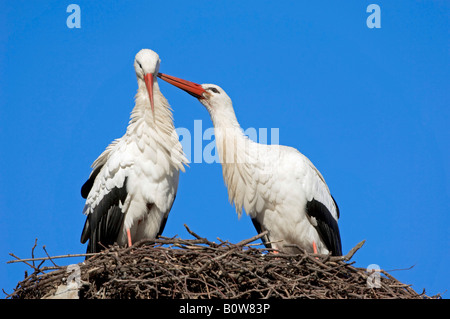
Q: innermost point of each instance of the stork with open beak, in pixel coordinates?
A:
(276, 185)
(133, 184)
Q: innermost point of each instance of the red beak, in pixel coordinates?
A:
(148, 78)
(192, 88)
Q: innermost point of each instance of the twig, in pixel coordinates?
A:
(50, 258)
(352, 251)
(32, 249)
(206, 241)
(247, 241)
(36, 269)
(400, 269)
(25, 260)
(191, 232)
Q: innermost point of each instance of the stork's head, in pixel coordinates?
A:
(212, 96)
(146, 65)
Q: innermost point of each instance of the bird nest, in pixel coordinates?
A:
(200, 269)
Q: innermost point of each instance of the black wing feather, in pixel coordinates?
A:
(337, 207)
(103, 225)
(87, 186)
(260, 228)
(327, 226)
(161, 227)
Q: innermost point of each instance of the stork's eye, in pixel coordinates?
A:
(213, 89)
(140, 65)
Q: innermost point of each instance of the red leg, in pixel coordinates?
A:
(129, 238)
(314, 247)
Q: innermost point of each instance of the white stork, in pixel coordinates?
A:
(276, 185)
(133, 184)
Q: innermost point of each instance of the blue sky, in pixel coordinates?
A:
(369, 107)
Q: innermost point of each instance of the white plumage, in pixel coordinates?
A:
(276, 185)
(134, 181)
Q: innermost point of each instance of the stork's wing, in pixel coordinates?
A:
(104, 222)
(87, 186)
(326, 225)
(97, 165)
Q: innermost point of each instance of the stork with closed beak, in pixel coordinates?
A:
(276, 185)
(133, 184)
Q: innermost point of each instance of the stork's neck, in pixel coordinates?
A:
(224, 118)
(143, 111)
(238, 156)
(157, 125)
